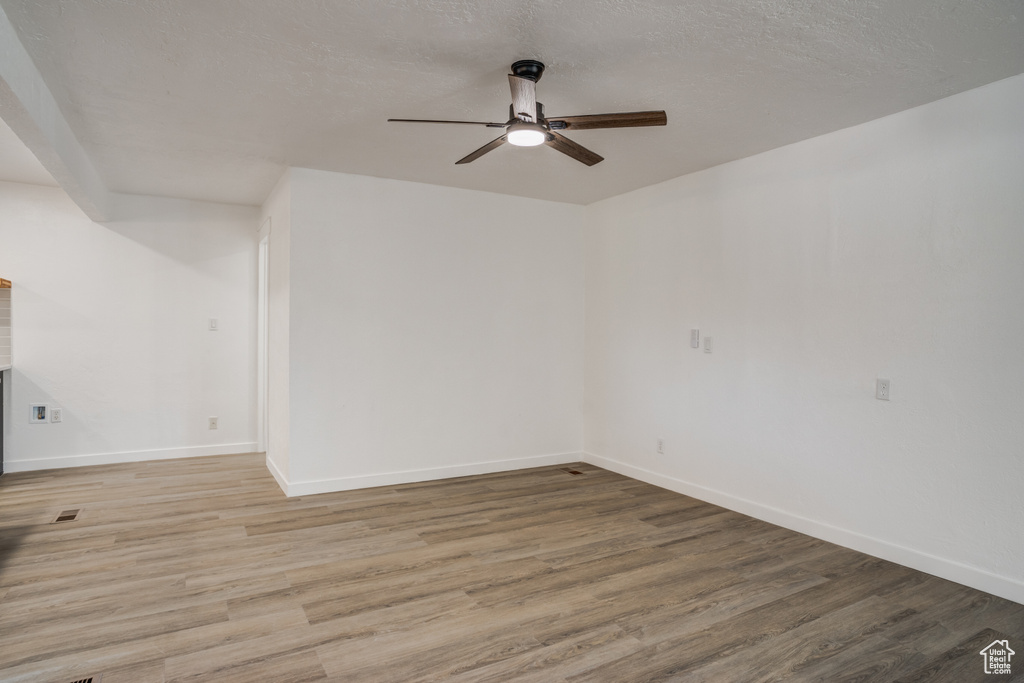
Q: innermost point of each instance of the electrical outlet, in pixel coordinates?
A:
(661, 445)
(214, 326)
(213, 423)
(56, 415)
(882, 389)
(708, 344)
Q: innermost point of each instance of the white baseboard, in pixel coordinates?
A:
(975, 577)
(126, 456)
(311, 487)
(282, 480)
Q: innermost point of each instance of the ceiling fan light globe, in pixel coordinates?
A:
(526, 135)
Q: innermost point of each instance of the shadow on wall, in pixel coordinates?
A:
(188, 232)
(25, 441)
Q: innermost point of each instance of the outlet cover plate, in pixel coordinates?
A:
(882, 389)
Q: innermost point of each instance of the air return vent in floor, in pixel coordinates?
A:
(571, 470)
(67, 516)
(88, 679)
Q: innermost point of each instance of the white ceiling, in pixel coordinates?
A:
(212, 99)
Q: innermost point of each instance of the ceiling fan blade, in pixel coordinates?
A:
(632, 119)
(524, 97)
(493, 144)
(468, 123)
(577, 152)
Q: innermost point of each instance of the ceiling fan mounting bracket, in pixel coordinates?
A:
(528, 68)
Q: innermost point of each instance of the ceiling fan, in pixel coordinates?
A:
(527, 126)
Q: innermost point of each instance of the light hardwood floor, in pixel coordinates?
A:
(201, 570)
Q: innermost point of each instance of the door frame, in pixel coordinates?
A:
(263, 338)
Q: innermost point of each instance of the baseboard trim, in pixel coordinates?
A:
(282, 480)
(127, 456)
(975, 577)
(312, 487)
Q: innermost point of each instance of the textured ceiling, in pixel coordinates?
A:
(212, 99)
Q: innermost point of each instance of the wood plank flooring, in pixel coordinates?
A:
(201, 570)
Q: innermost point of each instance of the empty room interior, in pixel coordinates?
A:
(571, 341)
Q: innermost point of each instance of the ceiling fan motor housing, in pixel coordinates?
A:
(528, 68)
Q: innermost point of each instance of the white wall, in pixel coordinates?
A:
(277, 210)
(420, 332)
(893, 249)
(111, 326)
(434, 331)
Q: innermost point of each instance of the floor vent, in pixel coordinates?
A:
(70, 516)
(88, 679)
(571, 470)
